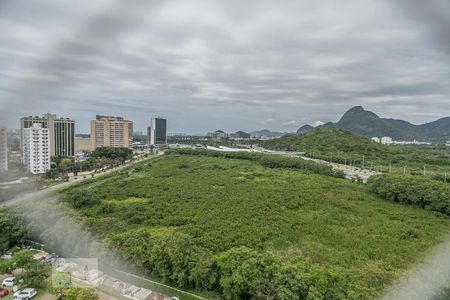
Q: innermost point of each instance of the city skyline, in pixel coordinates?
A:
(229, 66)
(143, 124)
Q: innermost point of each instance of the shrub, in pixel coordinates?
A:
(412, 190)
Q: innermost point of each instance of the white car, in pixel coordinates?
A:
(9, 282)
(25, 294)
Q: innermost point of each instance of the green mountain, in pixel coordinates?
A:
(343, 146)
(241, 134)
(366, 123)
(327, 141)
(304, 129)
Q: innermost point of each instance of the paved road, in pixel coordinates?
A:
(40, 193)
(351, 172)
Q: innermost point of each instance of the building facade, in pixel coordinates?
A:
(61, 132)
(3, 149)
(108, 131)
(36, 148)
(157, 132)
(386, 140)
(218, 135)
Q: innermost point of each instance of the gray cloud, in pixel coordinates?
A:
(230, 64)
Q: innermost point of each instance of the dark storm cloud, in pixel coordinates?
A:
(223, 64)
(434, 15)
(75, 56)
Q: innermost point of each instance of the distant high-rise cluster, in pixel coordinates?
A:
(3, 149)
(108, 131)
(41, 137)
(157, 132)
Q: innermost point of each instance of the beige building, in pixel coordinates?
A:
(107, 131)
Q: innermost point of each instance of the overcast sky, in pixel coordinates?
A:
(207, 65)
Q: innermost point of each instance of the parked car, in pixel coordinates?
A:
(3, 292)
(9, 282)
(25, 294)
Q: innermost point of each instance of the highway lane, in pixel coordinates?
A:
(40, 194)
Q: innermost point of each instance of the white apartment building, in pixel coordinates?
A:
(36, 149)
(386, 140)
(376, 139)
(61, 130)
(3, 150)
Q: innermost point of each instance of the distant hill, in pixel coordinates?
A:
(241, 134)
(366, 123)
(327, 140)
(267, 132)
(304, 129)
(343, 146)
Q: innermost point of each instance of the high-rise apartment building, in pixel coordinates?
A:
(157, 132)
(36, 148)
(61, 131)
(108, 131)
(386, 140)
(3, 150)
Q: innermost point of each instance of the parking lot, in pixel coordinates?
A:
(42, 295)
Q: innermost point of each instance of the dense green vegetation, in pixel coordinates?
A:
(270, 161)
(10, 232)
(426, 193)
(243, 230)
(28, 270)
(347, 148)
(99, 158)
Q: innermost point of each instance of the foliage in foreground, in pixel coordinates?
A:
(32, 272)
(235, 227)
(77, 293)
(426, 193)
(10, 232)
(239, 273)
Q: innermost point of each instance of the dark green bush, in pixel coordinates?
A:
(413, 190)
